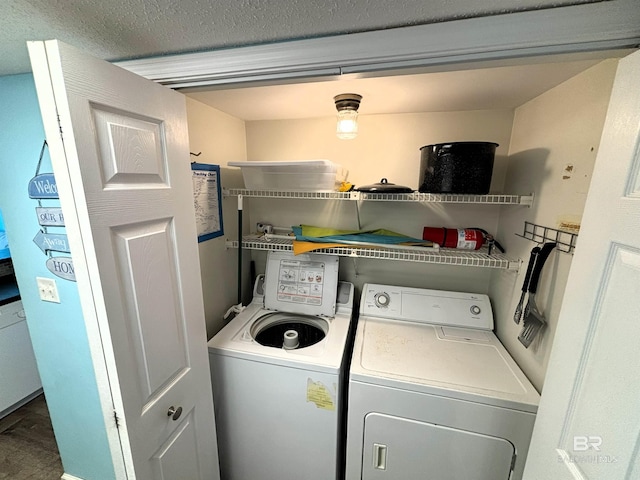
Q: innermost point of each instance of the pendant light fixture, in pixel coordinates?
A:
(347, 105)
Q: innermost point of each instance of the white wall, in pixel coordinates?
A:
(387, 146)
(221, 139)
(560, 127)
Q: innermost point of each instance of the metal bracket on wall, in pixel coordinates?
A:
(355, 266)
(566, 241)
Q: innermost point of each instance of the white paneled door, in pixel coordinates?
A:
(120, 153)
(588, 425)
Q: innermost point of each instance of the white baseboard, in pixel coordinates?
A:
(20, 403)
(66, 476)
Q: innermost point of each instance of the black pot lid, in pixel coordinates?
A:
(384, 187)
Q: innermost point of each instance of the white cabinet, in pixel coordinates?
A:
(18, 371)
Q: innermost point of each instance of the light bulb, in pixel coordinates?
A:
(347, 126)
(347, 105)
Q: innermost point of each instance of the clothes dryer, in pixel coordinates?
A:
(278, 370)
(432, 391)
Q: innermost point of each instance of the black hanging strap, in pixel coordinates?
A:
(44, 145)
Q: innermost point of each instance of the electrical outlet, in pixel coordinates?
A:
(48, 289)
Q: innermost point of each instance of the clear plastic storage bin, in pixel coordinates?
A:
(307, 175)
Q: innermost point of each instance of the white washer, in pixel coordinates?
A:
(279, 411)
(432, 391)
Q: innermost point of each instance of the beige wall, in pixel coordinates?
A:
(559, 128)
(221, 139)
(387, 146)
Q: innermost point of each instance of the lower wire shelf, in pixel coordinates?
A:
(443, 256)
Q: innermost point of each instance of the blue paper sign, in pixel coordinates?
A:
(43, 186)
(51, 242)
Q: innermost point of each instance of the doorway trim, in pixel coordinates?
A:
(577, 29)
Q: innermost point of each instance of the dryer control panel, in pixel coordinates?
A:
(468, 310)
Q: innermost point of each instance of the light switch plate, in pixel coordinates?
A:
(48, 289)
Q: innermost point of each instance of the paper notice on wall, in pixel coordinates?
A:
(207, 200)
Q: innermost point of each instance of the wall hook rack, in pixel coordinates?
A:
(566, 241)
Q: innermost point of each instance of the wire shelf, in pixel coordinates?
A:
(318, 195)
(443, 256)
(448, 198)
(415, 197)
(566, 241)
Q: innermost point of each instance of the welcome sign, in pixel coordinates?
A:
(43, 186)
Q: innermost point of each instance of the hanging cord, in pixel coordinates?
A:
(43, 228)
(44, 145)
(240, 249)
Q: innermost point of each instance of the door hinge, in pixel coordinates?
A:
(513, 462)
(60, 126)
(115, 419)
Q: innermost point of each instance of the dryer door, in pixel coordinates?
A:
(402, 449)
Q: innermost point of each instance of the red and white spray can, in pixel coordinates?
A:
(462, 238)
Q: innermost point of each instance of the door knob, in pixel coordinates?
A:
(174, 412)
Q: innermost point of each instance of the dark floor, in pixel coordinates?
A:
(28, 449)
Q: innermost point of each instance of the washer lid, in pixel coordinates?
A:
(304, 283)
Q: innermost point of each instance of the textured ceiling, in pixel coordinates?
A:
(122, 29)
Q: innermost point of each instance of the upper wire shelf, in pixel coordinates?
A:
(416, 197)
(494, 199)
(316, 195)
(443, 256)
(566, 241)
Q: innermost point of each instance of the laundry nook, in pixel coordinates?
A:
(404, 253)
